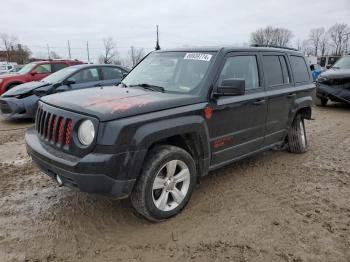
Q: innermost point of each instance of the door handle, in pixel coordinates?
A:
(259, 102)
(291, 95)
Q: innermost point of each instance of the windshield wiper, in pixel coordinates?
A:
(150, 87)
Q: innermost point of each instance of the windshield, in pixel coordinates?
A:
(26, 69)
(60, 75)
(343, 63)
(173, 71)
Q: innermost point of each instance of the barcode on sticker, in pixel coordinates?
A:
(198, 56)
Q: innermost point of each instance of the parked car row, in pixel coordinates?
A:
(334, 84)
(20, 101)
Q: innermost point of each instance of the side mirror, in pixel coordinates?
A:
(328, 66)
(231, 87)
(68, 82)
(33, 73)
(312, 67)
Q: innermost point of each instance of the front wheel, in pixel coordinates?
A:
(297, 136)
(165, 184)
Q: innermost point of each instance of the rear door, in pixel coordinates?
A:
(281, 94)
(111, 75)
(238, 122)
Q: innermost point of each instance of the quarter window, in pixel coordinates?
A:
(299, 67)
(43, 69)
(273, 70)
(243, 68)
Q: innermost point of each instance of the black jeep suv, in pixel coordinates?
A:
(178, 115)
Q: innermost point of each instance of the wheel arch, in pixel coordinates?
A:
(189, 133)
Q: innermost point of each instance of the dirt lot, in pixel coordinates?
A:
(273, 207)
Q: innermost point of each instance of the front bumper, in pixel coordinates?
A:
(12, 107)
(89, 174)
(334, 93)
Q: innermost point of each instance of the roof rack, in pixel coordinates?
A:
(275, 46)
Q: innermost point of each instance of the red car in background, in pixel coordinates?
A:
(33, 72)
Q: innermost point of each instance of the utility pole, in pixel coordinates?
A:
(70, 57)
(48, 51)
(88, 52)
(157, 43)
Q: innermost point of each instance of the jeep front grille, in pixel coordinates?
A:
(54, 128)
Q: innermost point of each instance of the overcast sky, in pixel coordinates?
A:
(181, 22)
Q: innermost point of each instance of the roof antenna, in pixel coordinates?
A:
(157, 43)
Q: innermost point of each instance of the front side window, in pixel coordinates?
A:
(110, 73)
(85, 75)
(241, 68)
(43, 69)
(180, 72)
(300, 70)
(273, 70)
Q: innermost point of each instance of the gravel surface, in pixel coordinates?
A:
(276, 206)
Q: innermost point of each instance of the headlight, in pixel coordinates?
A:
(86, 132)
(1, 81)
(322, 79)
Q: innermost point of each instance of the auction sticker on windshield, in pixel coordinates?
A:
(198, 56)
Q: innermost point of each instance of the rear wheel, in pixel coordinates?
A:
(165, 184)
(10, 86)
(297, 136)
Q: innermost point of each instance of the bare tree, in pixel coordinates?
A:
(338, 34)
(21, 54)
(324, 44)
(8, 44)
(315, 37)
(271, 36)
(136, 55)
(306, 47)
(54, 55)
(110, 51)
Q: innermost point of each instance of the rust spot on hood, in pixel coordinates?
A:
(116, 104)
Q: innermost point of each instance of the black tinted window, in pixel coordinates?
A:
(273, 70)
(110, 73)
(241, 67)
(299, 68)
(57, 67)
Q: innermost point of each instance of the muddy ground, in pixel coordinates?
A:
(276, 206)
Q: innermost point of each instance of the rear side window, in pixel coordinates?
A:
(110, 73)
(241, 67)
(57, 67)
(299, 67)
(273, 70)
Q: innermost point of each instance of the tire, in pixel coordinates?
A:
(321, 101)
(155, 193)
(297, 136)
(324, 101)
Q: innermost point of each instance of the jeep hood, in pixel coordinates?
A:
(24, 88)
(109, 103)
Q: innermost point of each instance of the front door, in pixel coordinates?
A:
(237, 126)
